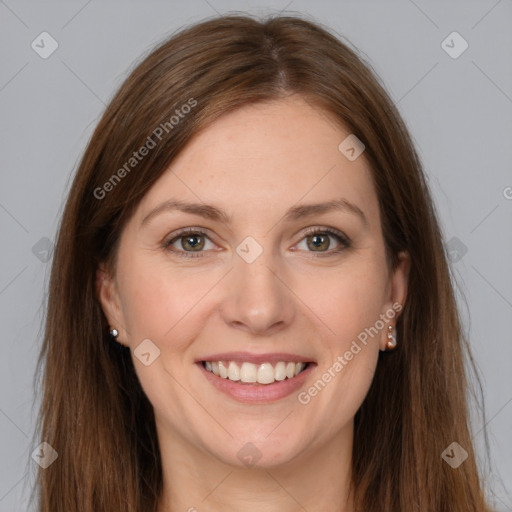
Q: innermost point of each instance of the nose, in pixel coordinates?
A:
(258, 299)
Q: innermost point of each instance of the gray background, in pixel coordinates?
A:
(458, 110)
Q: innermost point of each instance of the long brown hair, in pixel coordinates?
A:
(94, 412)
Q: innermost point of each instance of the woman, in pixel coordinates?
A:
(200, 354)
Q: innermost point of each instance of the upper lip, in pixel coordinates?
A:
(240, 357)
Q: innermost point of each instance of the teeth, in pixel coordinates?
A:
(248, 372)
(280, 371)
(251, 373)
(233, 371)
(265, 373)
(223, 371)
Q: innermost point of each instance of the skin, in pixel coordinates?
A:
(255, 163)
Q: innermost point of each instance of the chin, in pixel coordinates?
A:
(257, 453)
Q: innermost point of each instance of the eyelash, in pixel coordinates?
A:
(345, 242)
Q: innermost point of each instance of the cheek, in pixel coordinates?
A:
(158, 300)
(346, 301)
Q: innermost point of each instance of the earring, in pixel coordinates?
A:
(391, 343)
(114, 333)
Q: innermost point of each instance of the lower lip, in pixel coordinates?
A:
(257, 393)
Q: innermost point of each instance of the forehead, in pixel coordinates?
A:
(264, 158)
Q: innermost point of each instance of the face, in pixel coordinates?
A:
(262, 281)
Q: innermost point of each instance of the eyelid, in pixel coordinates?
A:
(190, 229)
(326, 229)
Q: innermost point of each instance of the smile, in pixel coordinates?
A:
(250, 373)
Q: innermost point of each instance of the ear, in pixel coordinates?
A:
(107, 293)
(397, 294)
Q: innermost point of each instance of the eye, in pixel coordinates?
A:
(190, 241)
(319, 238)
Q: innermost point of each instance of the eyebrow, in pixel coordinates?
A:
(294, 213)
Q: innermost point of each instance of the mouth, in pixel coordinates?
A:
(256, 378)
